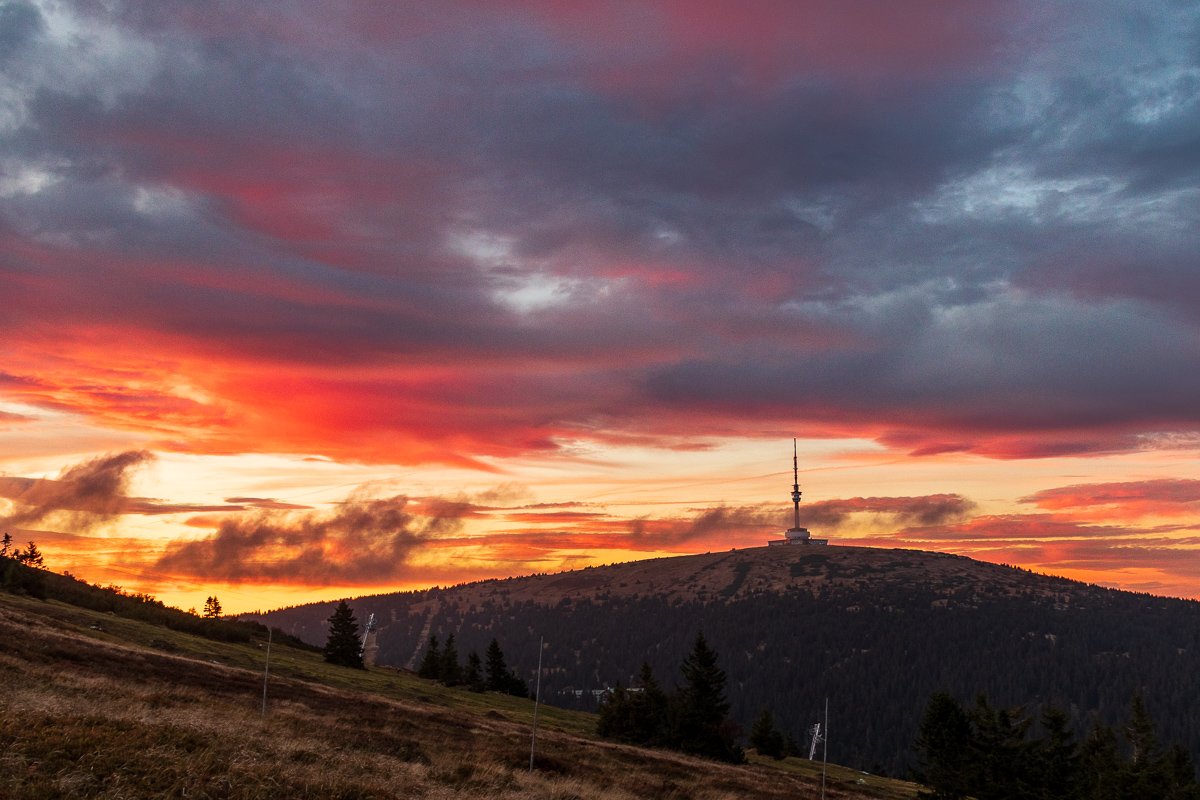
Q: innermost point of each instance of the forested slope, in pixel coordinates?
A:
(875, 631)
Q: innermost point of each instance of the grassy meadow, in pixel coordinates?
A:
(96, 706)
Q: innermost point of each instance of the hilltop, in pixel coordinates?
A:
(101, 705)
(875, 631)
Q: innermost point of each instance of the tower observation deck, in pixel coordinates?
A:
(796, 534)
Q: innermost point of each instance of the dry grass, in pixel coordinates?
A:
(87, 714)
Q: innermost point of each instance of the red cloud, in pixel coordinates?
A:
(1124, 500)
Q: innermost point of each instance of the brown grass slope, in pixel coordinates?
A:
(92, 706)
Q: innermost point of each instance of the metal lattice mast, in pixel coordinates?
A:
(795, 485)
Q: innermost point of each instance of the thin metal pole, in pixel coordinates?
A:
(537, 696)
(266, 671)
(825, 749)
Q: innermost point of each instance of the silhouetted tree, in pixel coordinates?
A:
(1099, 765)
(6, 546)
(1056, 764)
(473, 673)
(343, 647)
(702, 723)
(497, 671)
(650, 709)
(451, 671)
(765, 737)
(943, 749)
(212, 608)
(31, 556)
(516, 685)
(615, 718)
(431, 664)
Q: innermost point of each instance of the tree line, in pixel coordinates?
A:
(488, 674)
(23, 571)
(693, 719)
(440, 662)
(990, 753)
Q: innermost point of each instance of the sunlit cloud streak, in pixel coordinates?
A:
(1124, 500)
(364, 541)
(94, 492)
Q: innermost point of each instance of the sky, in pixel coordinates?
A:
(315, 299)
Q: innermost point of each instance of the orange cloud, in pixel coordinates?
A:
(1128, 500)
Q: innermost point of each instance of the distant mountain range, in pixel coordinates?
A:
(874, 631)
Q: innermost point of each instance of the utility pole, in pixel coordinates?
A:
(537, 696)
(266, 671)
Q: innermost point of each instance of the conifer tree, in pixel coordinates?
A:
(516, 685)
(6, 546)
(765, 737)
(943, 743)
(451, 671)
(1100, 765)
(343, 647)
(212, 607)
(497, 675)
(31, 556)
(703, 726)
(998, 752)
(1057, 757)
(650, 709)
(615, 719)
(431, 664)
(473, 673)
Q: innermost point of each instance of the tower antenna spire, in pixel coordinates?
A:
(795, 485)
(796, 534)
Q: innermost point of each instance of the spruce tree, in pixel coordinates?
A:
(212, 607)
(615, 718)
(650, 709)
(1057, 757)
(31, 556)
(451, 671)
(343, 647)
(516, 685)
(703, 726)
(765, 737)
(431, 664)
(473, 674)
(6, 548)
(943, 743)
(998, 752)
(497, 671)
(1100, 765)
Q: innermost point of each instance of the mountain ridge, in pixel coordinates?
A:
(874, 630)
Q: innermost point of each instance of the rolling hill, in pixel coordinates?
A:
(98, 704)
(875, 631)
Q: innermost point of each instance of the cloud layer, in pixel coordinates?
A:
(439, 232)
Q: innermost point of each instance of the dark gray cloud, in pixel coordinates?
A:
(937, 509)
(84, 495)
(19, 24)
(94, 492)
(365, 541)
(963, 234)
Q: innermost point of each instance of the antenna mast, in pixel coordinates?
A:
(795, 485)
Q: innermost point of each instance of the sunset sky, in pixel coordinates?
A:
(301, 300)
